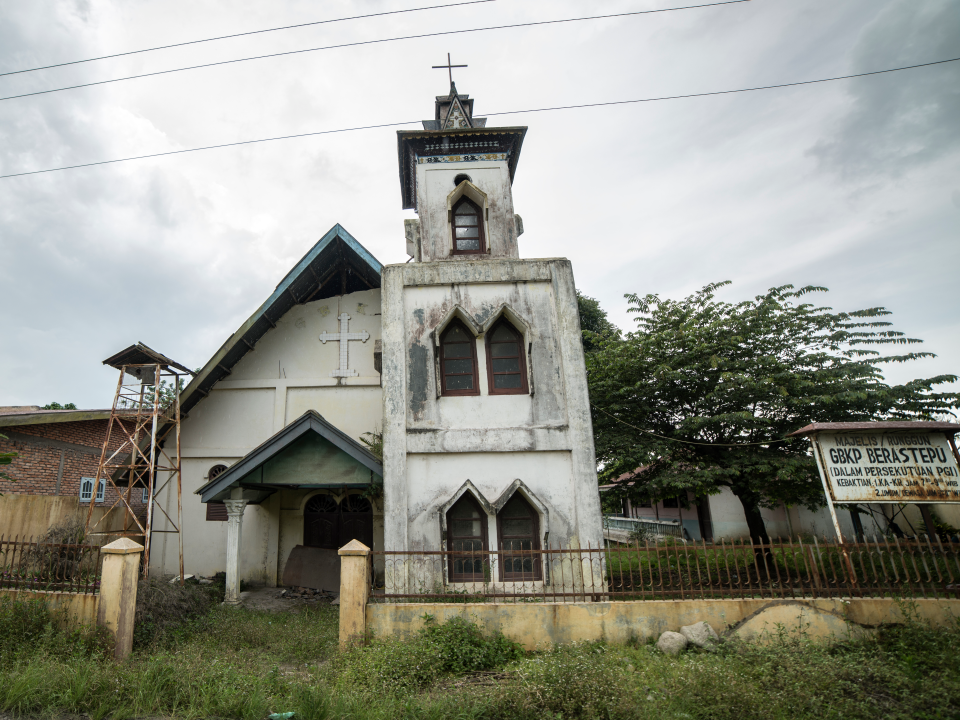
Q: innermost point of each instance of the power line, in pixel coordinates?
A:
(236, 35)
(507, 112)
(685, 442)
(369, 42)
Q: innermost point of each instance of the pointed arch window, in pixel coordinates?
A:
(506, 363)
(518, 526)
(467, 541)
(458, 361)
(467, 219)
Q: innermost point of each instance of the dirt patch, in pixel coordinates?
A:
(282, 599)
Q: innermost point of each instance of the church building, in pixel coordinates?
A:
(467, 359)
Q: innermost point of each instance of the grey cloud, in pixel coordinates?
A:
(900, 121)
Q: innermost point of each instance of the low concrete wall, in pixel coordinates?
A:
(541, 625)
(78, 609)
(32, 515)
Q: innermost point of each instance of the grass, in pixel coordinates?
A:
(236, 663)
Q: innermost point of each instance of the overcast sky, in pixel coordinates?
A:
(853, 185)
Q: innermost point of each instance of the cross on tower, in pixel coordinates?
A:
(343, 337)
(448, 67)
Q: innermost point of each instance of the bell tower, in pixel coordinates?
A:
(457, 174)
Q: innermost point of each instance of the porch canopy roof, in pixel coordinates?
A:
(308, 453)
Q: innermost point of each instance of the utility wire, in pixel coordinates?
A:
(508, 112)
(685, 442)
(236, 35)
(369, 42)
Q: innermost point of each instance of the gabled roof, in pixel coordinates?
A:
(336, 265)
(310, 422)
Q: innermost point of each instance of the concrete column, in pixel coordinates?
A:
(118, 593)
(354, 591)
(234, 536)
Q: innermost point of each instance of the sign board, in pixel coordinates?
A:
(888, 467)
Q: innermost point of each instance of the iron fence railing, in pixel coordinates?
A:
(27, 564)
(653, 528)
(673, 569)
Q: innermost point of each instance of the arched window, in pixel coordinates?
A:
(458, 361)
(519, 528)
(467, 227)
(506, 364)
(216, 511)
(467, 538)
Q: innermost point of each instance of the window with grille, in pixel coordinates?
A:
(506, 364)
(145, 496)
(86, 489)
(458, 361)
(467, 540)
(467, 228)
(519, 529)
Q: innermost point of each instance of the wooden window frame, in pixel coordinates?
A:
(473, 351)
(484, 542)
(524, 388)
(537, 573)
(481, 228)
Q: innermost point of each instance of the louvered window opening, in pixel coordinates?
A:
(467, 534)
(467, 228)
(506, 364)
(216, 511)
(458, 361)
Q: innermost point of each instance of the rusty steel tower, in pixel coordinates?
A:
(145, 415)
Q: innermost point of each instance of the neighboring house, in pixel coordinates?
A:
(721, 516)
(487, 438)
(57, 456)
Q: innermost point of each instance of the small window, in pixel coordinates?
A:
(216, 511)
(145, 496)
(215, 471)
(458, 361)
(519, 529)
(86, 489)
(467, 228)
(467, 538)
(506, 365)
(671, 503)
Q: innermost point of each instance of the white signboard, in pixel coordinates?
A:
(864, 466)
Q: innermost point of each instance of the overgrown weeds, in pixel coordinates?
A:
(236, 663)
(163, 605)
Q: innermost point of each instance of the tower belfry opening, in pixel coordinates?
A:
(144, 415)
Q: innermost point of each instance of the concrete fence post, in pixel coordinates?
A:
(354, 591)
(118, 592)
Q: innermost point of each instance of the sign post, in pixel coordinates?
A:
(887, 462)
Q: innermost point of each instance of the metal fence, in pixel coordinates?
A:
(26, 564)
(879, 567)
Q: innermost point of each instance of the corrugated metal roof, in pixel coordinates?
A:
(47, 417)
(140, 354)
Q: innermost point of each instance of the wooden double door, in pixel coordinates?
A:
(331, 525)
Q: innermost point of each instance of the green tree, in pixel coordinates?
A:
(702, 395)
(58, 406)
(594, 325)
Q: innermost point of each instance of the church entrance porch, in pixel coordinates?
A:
(317, 480)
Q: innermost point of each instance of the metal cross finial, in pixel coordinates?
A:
(449, 68)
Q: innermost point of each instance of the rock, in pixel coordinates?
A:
(701, 635)
(671, 643)
(336, 601)
(206, 581)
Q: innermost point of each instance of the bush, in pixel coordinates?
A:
(163, 606)
(456, 647)
(28, 627)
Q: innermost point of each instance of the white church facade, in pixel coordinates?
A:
(467, 358)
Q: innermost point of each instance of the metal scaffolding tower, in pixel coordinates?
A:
(144, 415)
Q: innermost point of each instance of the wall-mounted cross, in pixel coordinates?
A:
(448, 67)
(344, 337)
